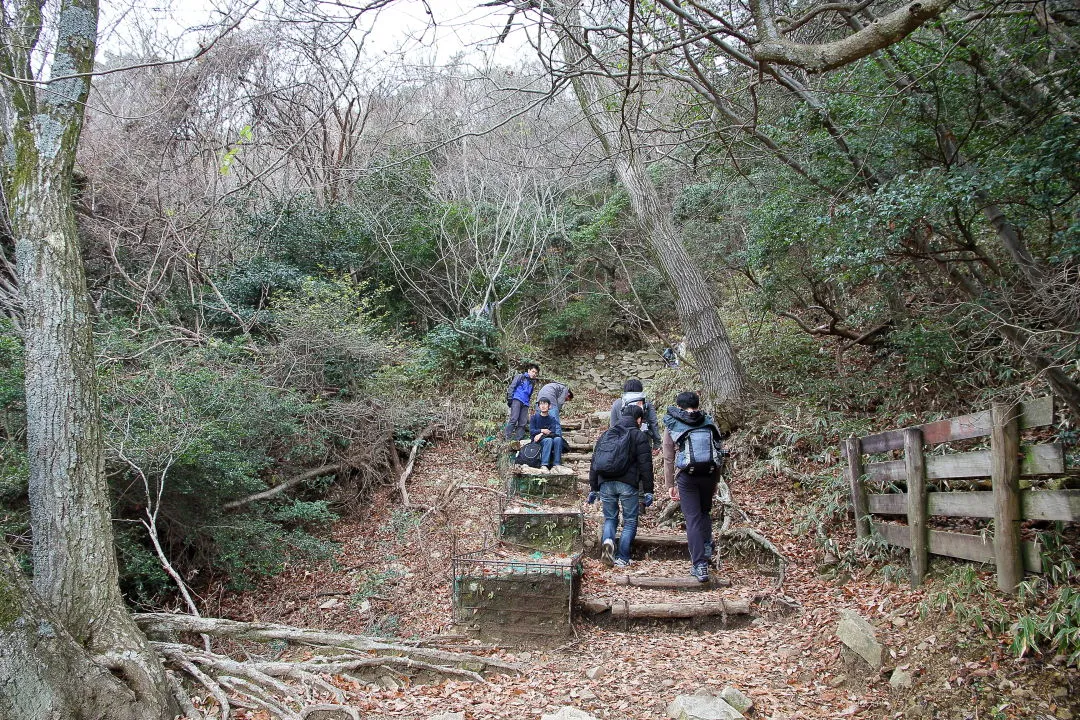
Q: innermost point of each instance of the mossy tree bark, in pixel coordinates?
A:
(75, 569)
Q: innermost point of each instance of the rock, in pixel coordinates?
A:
(856, 633)
(901, 679)
(595, 673)
(387, 683)
(448, 716)
(1063, 714)
(601, 356)
(837, 681)
(330, 712)
(737, 699)
(568, 713)
(587, 694)
(701, 707)
(330, 604)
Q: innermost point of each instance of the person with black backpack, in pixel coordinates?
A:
(621, 469)
(693, 461)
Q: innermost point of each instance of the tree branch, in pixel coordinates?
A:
(282, 487)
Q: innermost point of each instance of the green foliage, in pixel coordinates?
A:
(12, 359)
(466, 348)
(582, 319)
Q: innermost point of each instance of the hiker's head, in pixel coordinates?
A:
(532, 370)
(633, 385)
(569, 394)
(635, 412)
(688, 400)
(544, 405)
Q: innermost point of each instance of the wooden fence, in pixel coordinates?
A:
(1004, 463)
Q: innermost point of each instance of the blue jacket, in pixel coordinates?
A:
(521, 388)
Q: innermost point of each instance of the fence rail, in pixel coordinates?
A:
(1004, 464)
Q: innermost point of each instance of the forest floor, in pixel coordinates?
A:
(392, 577)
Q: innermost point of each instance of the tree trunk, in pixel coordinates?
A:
(75, 570)
(44, 673)
(706, 336)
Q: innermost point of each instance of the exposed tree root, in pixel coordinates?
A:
(281, 687)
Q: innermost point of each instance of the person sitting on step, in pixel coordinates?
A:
(558, 395)
(544, 428)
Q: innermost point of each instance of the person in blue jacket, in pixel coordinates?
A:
(518, 400)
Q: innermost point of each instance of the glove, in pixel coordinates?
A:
(648, 499)
(592, 497)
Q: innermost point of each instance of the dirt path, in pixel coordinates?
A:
(392, 576)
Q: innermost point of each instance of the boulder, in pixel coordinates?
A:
(737, 699)
(329, 712)
(856, 633)
(568, 713)
(701, 707)
(595, 673)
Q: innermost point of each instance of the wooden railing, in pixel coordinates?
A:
(1004, 463)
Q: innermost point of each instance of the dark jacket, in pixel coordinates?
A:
(640, 472)
(649, 425)
(538, 422)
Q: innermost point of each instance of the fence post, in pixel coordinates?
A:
(1005, 476)
(853, 454)
(915, 464)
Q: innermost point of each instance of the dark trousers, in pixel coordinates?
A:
(518, 424)
(696, 496)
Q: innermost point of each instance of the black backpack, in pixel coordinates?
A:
(698, 451)
(529, 455)
(611, 456)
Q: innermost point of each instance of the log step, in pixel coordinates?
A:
(674, 542)
(669, 583)
(623, 608)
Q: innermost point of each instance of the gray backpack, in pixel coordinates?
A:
(698, 451)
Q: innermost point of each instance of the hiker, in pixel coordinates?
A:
(634, 393)
(557, 394)
(518, 400)
(544, 428)
(621, 468)
(692, 466)
(670, 357)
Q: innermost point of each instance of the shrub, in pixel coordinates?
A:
(468, 347)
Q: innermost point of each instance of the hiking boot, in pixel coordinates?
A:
(701, 572)
(607, 553)
(620, 563)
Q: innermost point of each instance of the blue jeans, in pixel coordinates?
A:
(554, 411)
(613, 496)
(551, 446)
